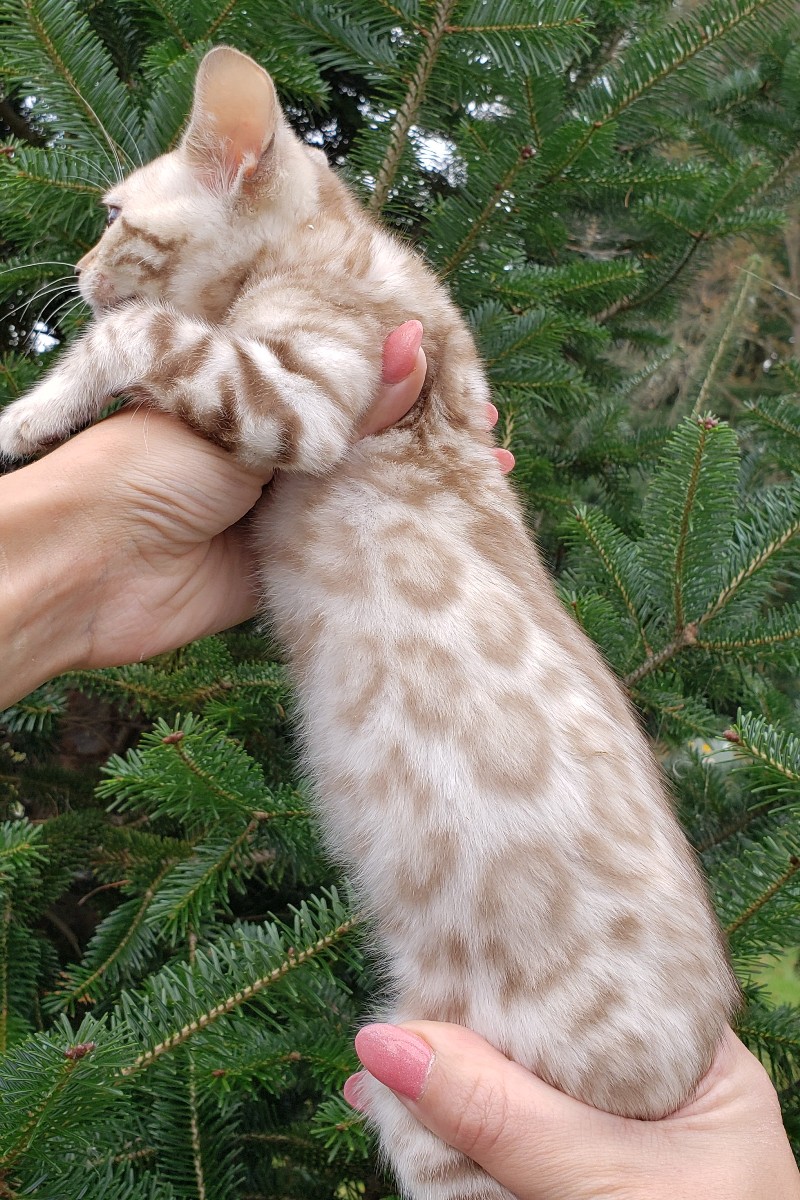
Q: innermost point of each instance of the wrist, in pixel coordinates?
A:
(47, 577)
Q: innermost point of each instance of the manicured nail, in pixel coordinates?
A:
(399, 1059)
(350, 1091)
(505, 458)
(406, 341)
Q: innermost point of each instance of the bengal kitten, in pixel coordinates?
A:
(478, 770)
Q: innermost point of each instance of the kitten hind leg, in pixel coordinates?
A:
(425, 1167)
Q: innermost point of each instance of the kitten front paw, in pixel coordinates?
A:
(32, 423)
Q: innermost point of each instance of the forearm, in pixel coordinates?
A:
(47, 572)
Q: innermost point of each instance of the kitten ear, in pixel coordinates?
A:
(233, 120)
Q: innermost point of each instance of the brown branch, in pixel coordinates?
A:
(407, 113)
(229, 1005)
(767, 894)
(686, 637)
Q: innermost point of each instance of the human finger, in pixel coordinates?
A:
(537, 1142)
(397, 396)
(505, 458)
(400, 351)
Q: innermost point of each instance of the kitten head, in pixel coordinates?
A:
(185, 227)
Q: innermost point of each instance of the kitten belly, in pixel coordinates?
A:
(483, 781)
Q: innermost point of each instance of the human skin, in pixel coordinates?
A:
(728, 1143)
(131, 538)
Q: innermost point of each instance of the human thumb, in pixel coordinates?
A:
(537, 1142)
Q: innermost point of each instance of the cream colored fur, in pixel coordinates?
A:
(478, 769)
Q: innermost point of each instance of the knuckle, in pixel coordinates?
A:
(482, 1119)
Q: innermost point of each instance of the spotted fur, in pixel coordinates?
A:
(478, 769)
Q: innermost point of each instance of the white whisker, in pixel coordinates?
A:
(46, 262)
(112, 158)
(62, 316)
(133, 142)
(68, 294)
(56, 288)
(50, 283)
(109, 183)
(58, 313)
(49, 320)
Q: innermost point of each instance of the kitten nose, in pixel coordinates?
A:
(84, 262)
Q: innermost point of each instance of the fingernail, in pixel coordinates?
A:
(397, 1058)
(350, 1091)
(407, 338)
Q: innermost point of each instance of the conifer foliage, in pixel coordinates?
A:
(181, 970)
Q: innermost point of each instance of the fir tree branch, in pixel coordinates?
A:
(767, 894)
(400, 16)
(82, 989)
(282, 1139)
(743, 742)
(186, 699)
(688, 637)
(221, 16)
(699, 40)
(728, 831)
(691, 493)
(729, 591)
(229, 1005)
(63, 70)
(163, 11)
(67, 185)
(703, 40)
(766, 1035)
(205, 776)
(534, 385)
(516, 26)
(723, 644)
(172, 913)
(194, 1126)
(685, 637)
(785, 167)
(5, 921)
(13, 851)
(280, 813)
(600, 551)
(631, 302)
(533, 115)
(484, 216)
(407, 113)
(767, 415)
(69, 1064)
(13, 386)
(732, 315)
(698, 237)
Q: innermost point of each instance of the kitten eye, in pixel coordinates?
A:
(113, 213)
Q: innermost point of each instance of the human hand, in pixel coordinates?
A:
(728, 1143)
(126, 541)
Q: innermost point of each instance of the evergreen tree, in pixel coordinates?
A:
(180, 967)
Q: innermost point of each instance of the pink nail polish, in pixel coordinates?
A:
(399, 1059)
(406, 341)
(506, 459)
(412, 334)
(350, 1091)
